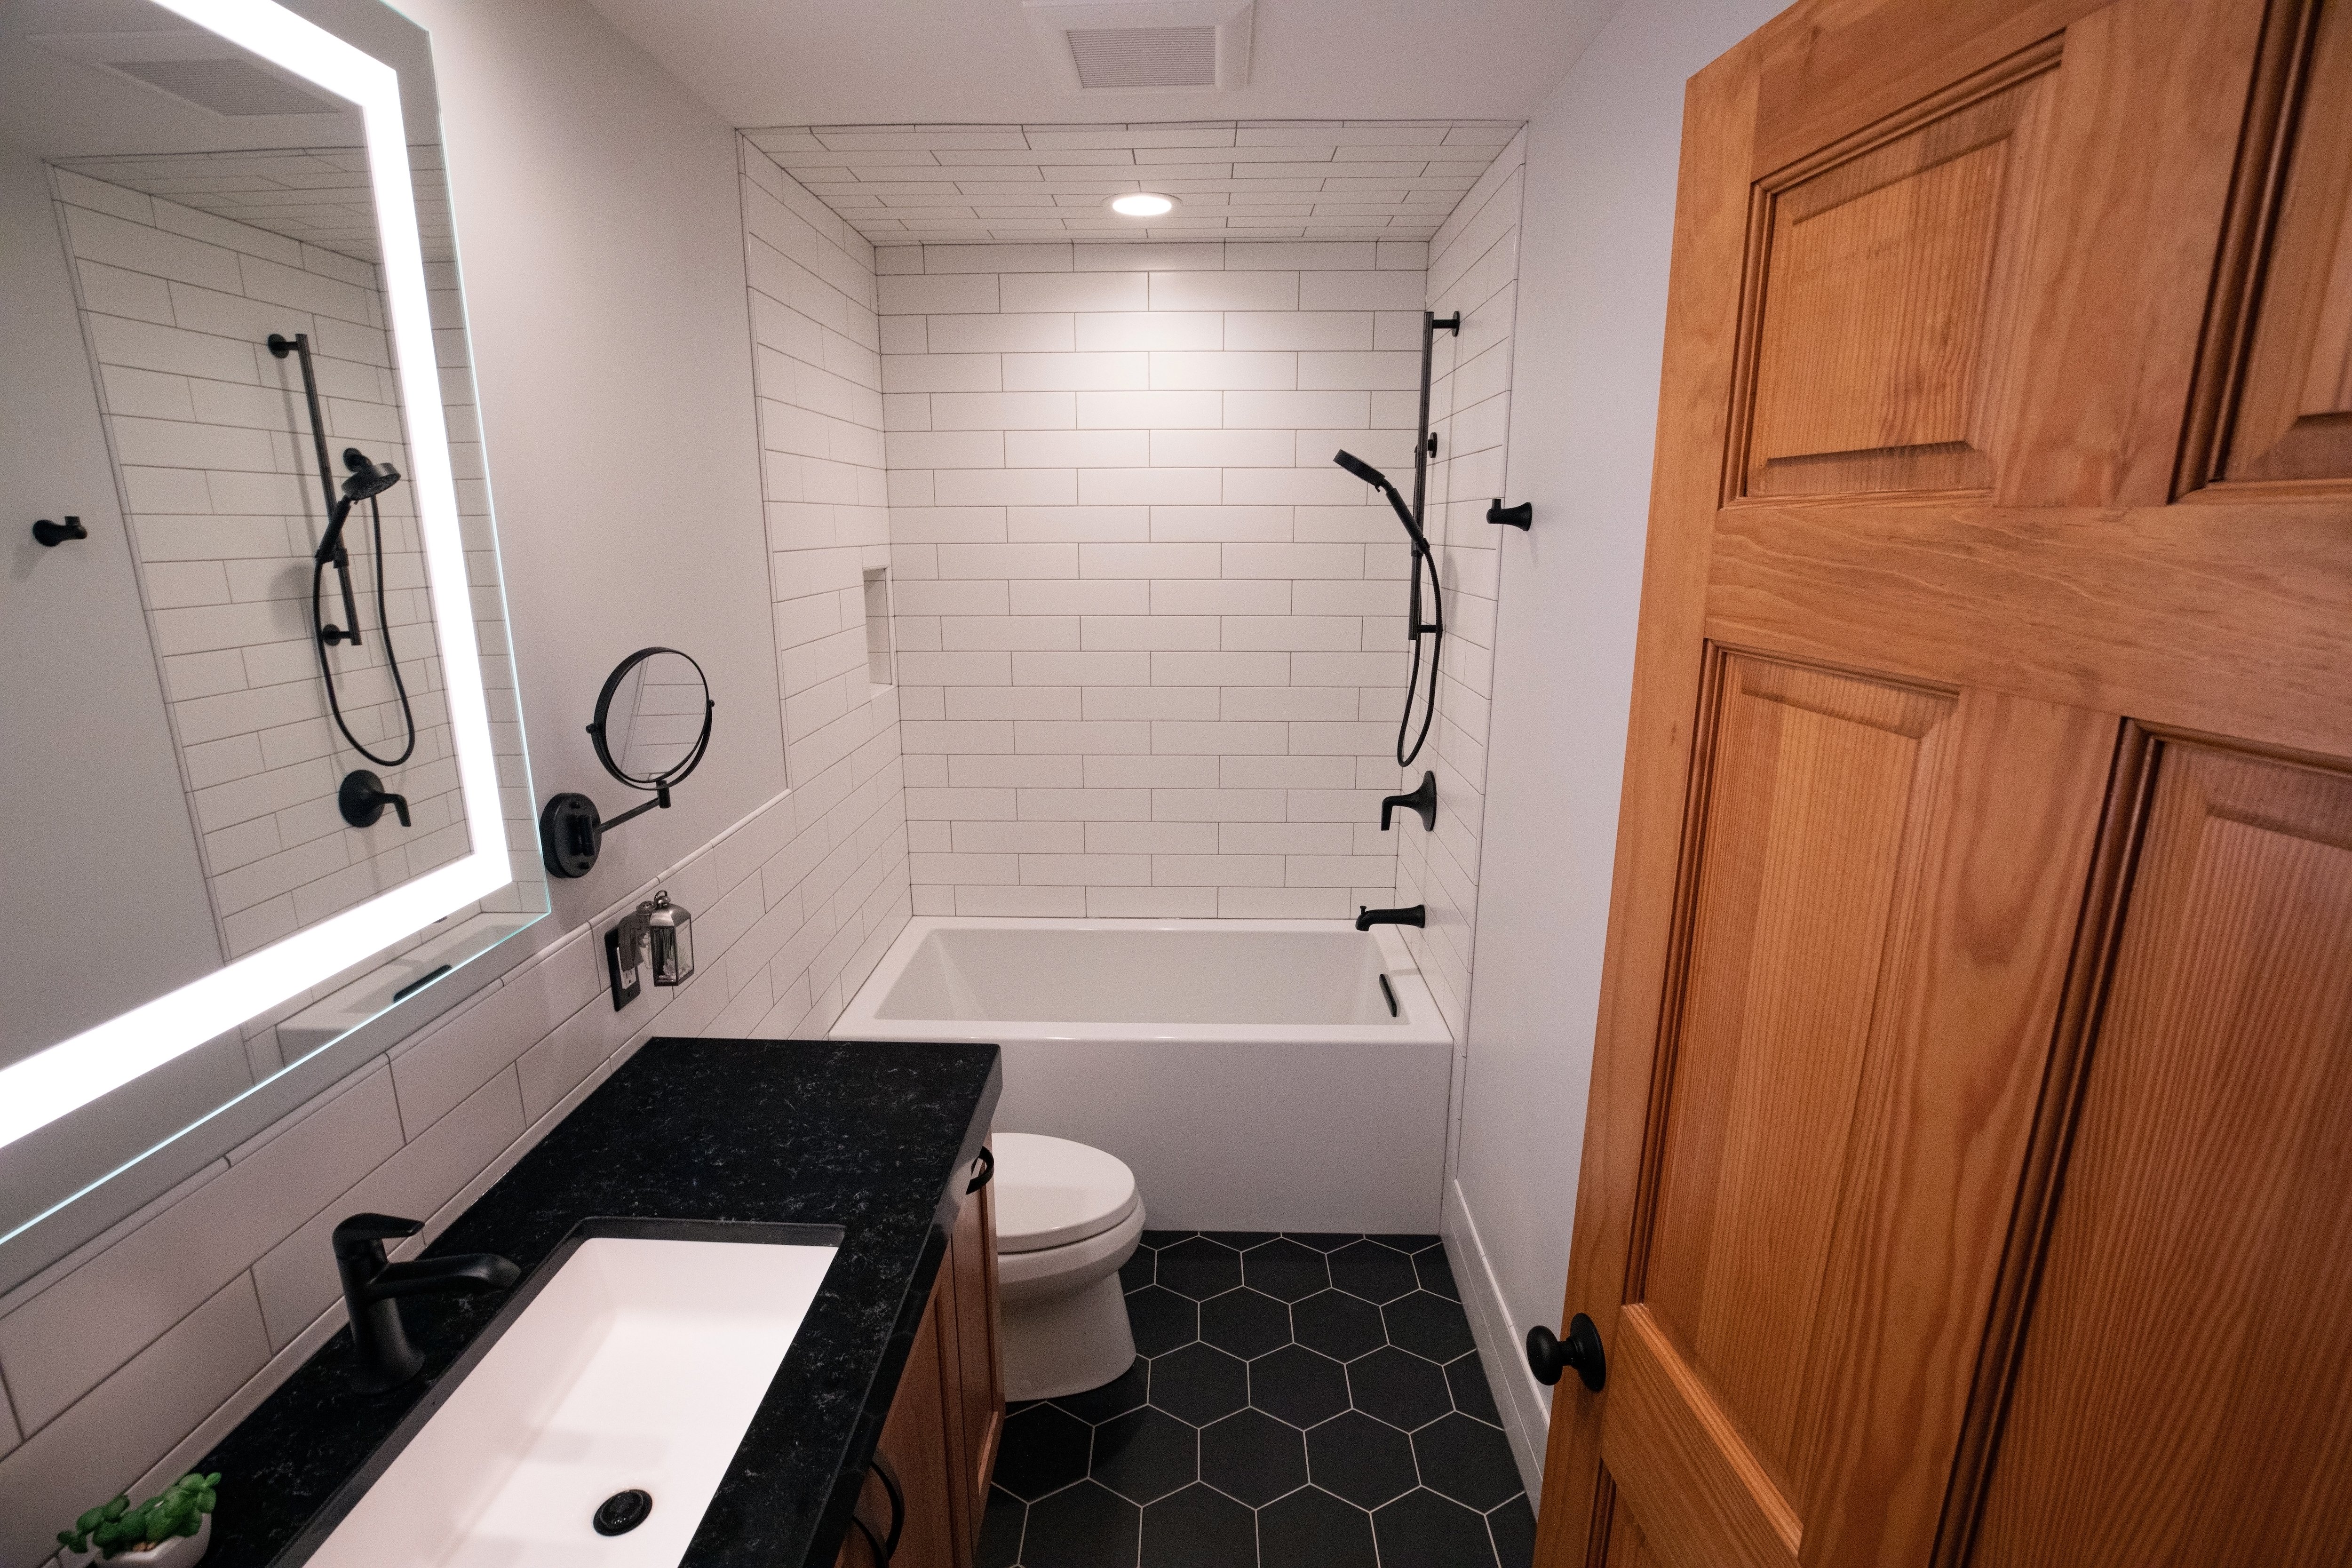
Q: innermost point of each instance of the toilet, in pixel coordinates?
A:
(1068, 1216)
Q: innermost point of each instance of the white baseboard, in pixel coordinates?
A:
(1525, 1403)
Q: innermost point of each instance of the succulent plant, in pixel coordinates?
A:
(116, 1527)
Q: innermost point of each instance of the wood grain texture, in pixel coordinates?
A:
(1684, 1469)
(914, 1443)
(2200, 617)
(1627, 1549)
(2294, 418)
(1703, 313)
(974, 1370)
(2186, 1390)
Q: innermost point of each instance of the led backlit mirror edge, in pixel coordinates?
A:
(61, 1078)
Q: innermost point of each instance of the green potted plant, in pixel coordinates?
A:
(174, 1527)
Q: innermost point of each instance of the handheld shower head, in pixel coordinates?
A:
(1362, 470)
(368, 479)
(1378, 481)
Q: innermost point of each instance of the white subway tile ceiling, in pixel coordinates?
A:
(1231, 179)
(320, 196)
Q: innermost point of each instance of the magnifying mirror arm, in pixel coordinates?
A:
(660, 801)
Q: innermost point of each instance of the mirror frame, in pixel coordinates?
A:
(597, 729)
(64, 1077)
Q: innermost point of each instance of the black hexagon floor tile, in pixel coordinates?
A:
(1252, 1457)
(1426, 1531)
(1466, 1460)
(1128, 1390)
(1312, 1529)
(1084, 1526)
(1342, 1327)
(1244, 1322)
(1161, 1320)
(1199, 1268)
(1408, 1244)
(1145, 1454)
(1429, 1326)
(1472, 1396)
(1357, 1457)
(1285, 1270)
(1298, 1386)
(1321, 1240)
(1241, 1240)
(1197, 1528)
(1000, 1531)
(1136, 1272)
(1156, 1239)
(1044, 1450)
(1199, 1384)
(1399, 1387)
(1376, 1273)
(1512, 1526)
(1436, 1275)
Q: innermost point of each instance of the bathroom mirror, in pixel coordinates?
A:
(652, 727)
(253, 666)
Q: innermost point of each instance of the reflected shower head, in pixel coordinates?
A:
(1362, 470)
(367, 478)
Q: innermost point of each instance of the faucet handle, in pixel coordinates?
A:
(358, 1232)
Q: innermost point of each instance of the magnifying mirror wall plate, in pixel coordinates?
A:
(651, 728)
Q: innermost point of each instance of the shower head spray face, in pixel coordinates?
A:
(1362, 470)
(368, 479)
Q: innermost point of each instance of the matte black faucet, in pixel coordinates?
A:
(1417, 915)
(1422, 801)
(373, 1287)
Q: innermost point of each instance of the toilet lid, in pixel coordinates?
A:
(1051, 1192)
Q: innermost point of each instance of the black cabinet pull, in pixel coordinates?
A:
(1549, 1355)
(986, 1160)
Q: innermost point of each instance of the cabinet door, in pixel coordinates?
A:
(976, 1379)
(915, 1445)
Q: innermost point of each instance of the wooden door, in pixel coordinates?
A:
(1970, 1170)
(914, 1446)
(971, 1324)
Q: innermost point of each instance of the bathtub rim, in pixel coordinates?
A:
(1419, 1023)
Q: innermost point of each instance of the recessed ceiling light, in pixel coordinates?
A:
(1142, 204)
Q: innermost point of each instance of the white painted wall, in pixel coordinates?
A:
(1591, 319)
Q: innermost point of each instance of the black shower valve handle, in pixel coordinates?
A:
(1521, 517)
(1422, 801)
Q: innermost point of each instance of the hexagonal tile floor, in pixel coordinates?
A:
(1297, 1402)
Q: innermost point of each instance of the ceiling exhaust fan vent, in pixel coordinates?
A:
(1143, 46)
(237, 89)
(1144, 57)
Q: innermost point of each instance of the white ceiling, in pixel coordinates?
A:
(319, 195)
(1232, 180)
(826, 62)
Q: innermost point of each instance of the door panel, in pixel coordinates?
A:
(2186, 1389)
(1966, 1177)
(2294, 417)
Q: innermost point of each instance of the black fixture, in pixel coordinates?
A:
(885, 1544)
(1414, 518)
(367, 479)
(363, 797)
(1388, 995)
(1422, 801)
(52, 534)
(1521, 517)
(623, 1511)
(1415, 915)
(1549, 1355)
(372, 1289)
(986, 1160)
(651, 726)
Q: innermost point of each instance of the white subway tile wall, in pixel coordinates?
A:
(1149, 639)
(219, 482)
(1474, 268)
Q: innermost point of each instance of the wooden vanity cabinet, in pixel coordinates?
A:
(941, 1437)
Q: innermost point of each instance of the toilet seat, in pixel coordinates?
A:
(1052, 1193)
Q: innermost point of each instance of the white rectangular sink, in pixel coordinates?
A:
(631, 1361)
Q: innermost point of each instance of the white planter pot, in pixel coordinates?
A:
(180, 1552)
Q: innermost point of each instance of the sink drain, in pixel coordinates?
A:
(623, 1511)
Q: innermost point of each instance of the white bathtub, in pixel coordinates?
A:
(1249, 1071)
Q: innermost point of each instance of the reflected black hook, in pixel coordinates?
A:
(1521, 517)
(1423, 802)
(52, 534)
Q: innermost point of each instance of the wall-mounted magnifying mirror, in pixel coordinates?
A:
(259, 691)
(651, 728)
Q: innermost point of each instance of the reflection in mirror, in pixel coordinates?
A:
(261, 711)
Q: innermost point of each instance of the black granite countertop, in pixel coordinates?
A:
(875, 1139)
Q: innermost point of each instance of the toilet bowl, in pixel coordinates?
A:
(1067, 1216)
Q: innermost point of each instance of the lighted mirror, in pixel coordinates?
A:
(265, 772)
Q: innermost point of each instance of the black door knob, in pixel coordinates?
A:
(1549, 1355)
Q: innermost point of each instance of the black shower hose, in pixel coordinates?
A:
(1436, 628)
(384, 629)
